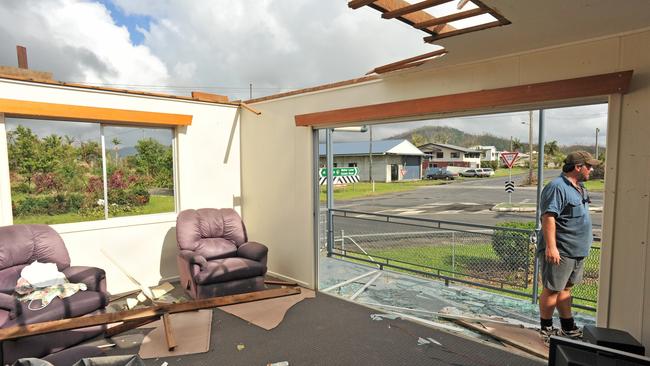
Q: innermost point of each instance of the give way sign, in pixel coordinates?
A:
(509, 158)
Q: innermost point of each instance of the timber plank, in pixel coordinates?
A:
(137, 314)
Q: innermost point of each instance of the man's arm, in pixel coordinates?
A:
(552, 255)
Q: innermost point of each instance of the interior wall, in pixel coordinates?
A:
(207, 172)
(285, 168)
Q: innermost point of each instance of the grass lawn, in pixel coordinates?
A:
(504, 172)
(596, 185)
(157, 204)
(364, 189)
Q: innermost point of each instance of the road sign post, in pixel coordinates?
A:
(509, 159)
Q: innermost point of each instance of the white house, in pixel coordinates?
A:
(444, 155)
(392, 160)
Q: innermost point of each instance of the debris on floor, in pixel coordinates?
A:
(240, 347)
(428, 340)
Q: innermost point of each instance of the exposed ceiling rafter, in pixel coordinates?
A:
(413, 8)
(409, 62)
(437, 27)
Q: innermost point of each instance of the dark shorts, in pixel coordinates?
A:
(557, 277)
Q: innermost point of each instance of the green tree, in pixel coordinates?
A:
(551, 148)
(418, 139)
(155, 161)
(517, 145)
(116, 143)
(23, 148)
(90, 152)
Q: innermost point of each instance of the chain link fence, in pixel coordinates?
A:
(498, 258)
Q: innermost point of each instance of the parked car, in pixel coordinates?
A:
(489, 171)
(476, 172)
(439, 173)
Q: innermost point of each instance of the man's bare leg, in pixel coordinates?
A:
(548, 301)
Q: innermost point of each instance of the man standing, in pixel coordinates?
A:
(564, 242)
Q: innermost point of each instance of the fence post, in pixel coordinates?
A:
(453, 253)
(343, 240)
(330, 191)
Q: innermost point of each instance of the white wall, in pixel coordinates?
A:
(625, 295)
(207, 170)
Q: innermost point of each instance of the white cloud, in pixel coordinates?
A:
(78, 41)
(221, 46)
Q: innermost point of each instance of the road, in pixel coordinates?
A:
(466, 201)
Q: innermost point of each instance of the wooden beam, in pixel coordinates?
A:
(169, 334)
(410, 18)
(22, 57)
(457, 32)
(451, 18)
(396, 65)
(112, 331)
(249, 108)
(209, 97)
(281, 283)
(412, 8)
(604, 84)
(137, 314)
(356, 4)
(22, 108)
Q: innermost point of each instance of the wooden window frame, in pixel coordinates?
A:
(521, 95)
(31, 109)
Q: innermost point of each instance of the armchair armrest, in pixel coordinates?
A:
(93, 277)
(253, 251)
(192, 258)
(8, 303)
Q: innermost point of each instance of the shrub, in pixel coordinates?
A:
(139, 196)
(598, 173)
(494, 164)
(47, 182)
(48, 205)
(95, 184)
(513, 247)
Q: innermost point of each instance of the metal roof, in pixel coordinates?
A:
(380, 147)
(449, 146)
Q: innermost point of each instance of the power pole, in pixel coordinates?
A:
(372, 181)
(597, 130)
(530, 147)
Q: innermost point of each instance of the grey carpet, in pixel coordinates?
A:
(330, 331)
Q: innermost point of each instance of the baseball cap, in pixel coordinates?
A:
(581, 157)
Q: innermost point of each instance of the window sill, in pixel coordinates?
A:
(115, 222)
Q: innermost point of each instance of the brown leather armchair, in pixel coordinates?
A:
(215, 257)
(21, 245)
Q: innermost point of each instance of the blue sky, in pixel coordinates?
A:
(130, 21)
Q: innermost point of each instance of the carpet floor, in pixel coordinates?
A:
(329, 331)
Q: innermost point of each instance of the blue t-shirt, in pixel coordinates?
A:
(573, 233)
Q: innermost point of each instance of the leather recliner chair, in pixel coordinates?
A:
(21, 245)
(216, 258)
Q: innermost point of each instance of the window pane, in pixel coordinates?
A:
(55, 171)
(139, 168)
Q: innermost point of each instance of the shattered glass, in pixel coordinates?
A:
(429, 301)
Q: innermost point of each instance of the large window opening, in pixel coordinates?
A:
(455, 231)
(69, 171)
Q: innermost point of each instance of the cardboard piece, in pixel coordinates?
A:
(527, 340)
(191, 332)
(267, 314)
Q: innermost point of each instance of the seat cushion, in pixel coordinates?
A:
(215, 248)
(79, 304)
(228, 269)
